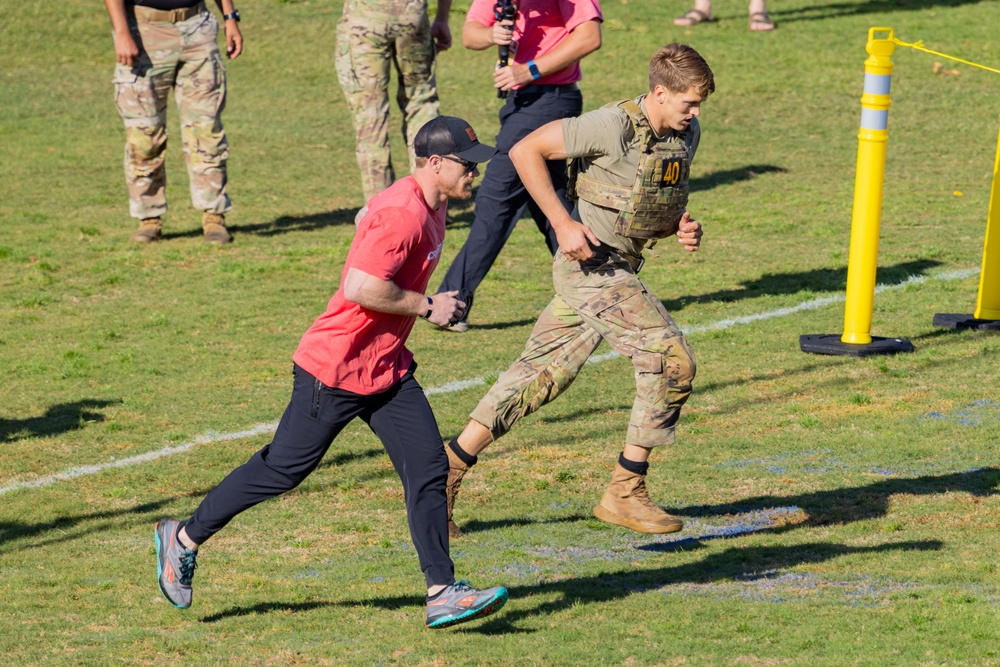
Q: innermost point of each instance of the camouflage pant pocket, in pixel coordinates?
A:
(347, 71)
(628, 309)
(648, 362)
(134, 95)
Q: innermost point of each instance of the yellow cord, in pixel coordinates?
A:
(919, 46)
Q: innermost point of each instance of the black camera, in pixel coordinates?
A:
(504, 10)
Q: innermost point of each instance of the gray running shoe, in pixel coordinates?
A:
(460, 602)
(175, 565)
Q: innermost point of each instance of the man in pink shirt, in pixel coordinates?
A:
(547, 40)
(353, 362)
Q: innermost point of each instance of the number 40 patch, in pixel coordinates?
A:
(671, 171)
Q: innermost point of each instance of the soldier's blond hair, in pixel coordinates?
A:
(678, 68)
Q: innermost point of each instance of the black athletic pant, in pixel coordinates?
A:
(401, 418)
(502, 196)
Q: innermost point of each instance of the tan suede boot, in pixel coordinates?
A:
(626, 503)
(150, 230)
(456, 471)
(214, 226)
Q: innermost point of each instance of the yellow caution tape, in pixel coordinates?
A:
(919, 46)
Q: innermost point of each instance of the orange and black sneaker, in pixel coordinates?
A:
(175, 564)
(460, 602)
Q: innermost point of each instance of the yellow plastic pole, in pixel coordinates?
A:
(988, 302)
(872, 139)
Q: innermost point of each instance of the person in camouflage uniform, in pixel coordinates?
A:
(172, 44)
(632, 158)
(372, 34)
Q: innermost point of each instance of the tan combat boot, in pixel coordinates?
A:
(150, 230)
(456, 471)
(626, 503)
(214, 226)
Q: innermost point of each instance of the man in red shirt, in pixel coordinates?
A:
(352, 362)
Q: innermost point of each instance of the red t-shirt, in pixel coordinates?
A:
(360, 350)
(539, 26)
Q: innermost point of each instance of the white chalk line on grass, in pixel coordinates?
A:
(457, 385)
(80, 471)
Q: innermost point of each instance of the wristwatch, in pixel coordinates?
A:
(235, 16)
(533, 70)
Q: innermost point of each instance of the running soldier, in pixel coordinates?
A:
(632, 161)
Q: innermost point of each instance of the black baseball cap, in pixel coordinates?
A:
(447, 135)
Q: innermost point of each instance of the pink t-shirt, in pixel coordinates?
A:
(363, 351)
(540, 25)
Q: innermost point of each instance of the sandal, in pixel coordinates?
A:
(693, 17)
(761, 22)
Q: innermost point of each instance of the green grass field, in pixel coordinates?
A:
(839, 511)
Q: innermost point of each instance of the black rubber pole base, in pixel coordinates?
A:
(831, 344)
(955, 321)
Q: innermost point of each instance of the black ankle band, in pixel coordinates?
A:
(633, 466)
(465, 457)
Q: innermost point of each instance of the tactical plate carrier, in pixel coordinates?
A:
(652, 207)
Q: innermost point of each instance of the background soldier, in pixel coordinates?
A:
(370, 35)
(598, 294)
(547, 41)
(159, 45)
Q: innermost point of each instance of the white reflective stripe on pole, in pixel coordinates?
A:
(874, 119)
(877, 84)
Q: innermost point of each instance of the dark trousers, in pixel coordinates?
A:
(502, 197)
(401, 418)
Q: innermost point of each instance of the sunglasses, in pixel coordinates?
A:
(469, 166)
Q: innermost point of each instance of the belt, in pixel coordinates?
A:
(546, 88)
(150, 15)
(634, 263)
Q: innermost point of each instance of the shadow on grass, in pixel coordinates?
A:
(267, 608)
(927, 340)
(299, 223)
(344, 458)
(497, 326)
(730, 176)
(282, 225)
(482, 526)
(101, 521)
(460, 215)
(856, 503)
(60, 418)
(69, 527)
(839, 9)
(818, 280)
(835, 506)
(741, 564)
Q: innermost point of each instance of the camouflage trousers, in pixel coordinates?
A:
(601, 298)
(182, 56)
(372, 34)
